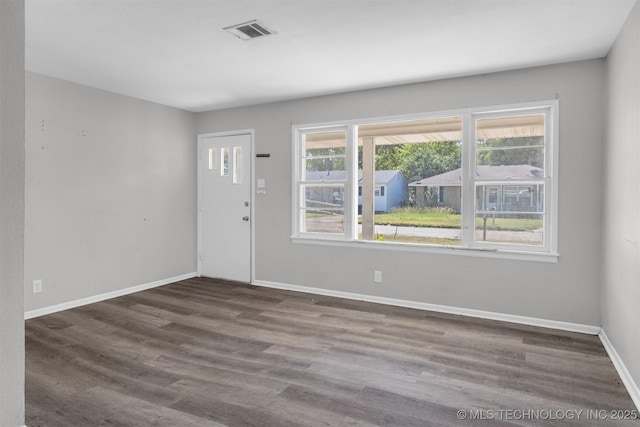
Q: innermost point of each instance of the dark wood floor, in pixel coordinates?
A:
(209, 353)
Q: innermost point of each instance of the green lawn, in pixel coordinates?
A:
(439, 219)
(442, 219)
(318, 214)
(416, 239)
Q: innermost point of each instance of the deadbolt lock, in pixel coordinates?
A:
(245, 218)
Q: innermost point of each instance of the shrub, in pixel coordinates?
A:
(429, 209)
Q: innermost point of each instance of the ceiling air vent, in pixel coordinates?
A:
(249, 30)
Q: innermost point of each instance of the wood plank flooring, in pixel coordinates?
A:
(205, 352)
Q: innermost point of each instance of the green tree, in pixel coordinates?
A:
(326, 159)
(387, 157)
(511, 151)
(420, 160)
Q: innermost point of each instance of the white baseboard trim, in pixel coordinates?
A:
(627, 379)
(101, 297)
(523, 320)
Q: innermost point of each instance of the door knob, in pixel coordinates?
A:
(245, 218)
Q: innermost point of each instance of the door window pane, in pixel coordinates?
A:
(237, 165)
(213, 158)
(224, 167)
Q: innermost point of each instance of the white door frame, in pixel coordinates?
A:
(251, 133)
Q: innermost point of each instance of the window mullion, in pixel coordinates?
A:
(468, 181)
(368, 174)
(551, 179)
(351, 190)
(298, 171)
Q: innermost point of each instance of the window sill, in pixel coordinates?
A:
(433, 249)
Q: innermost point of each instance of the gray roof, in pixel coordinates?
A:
(454, 177)
(382, 177)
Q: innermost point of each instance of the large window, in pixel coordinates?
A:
(473, 179)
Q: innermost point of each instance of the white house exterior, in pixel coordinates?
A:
(506, 188)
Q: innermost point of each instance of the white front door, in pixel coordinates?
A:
(224, 196)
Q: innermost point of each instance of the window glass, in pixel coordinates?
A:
(509, 175)
(237, 165)
(325, 156)
(213, 158)
(224, 167)
(417, 163)
(324, 176)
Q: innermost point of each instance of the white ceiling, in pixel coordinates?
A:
(175, 52)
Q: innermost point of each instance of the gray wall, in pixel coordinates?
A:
(621, 231)
(11, 213)
(110, 191)
(566, 291)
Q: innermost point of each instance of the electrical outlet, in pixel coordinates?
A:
(377, 276)
(37, 286)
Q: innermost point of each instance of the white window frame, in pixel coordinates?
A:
(548, 252)
(350, 182)
(468, 190)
